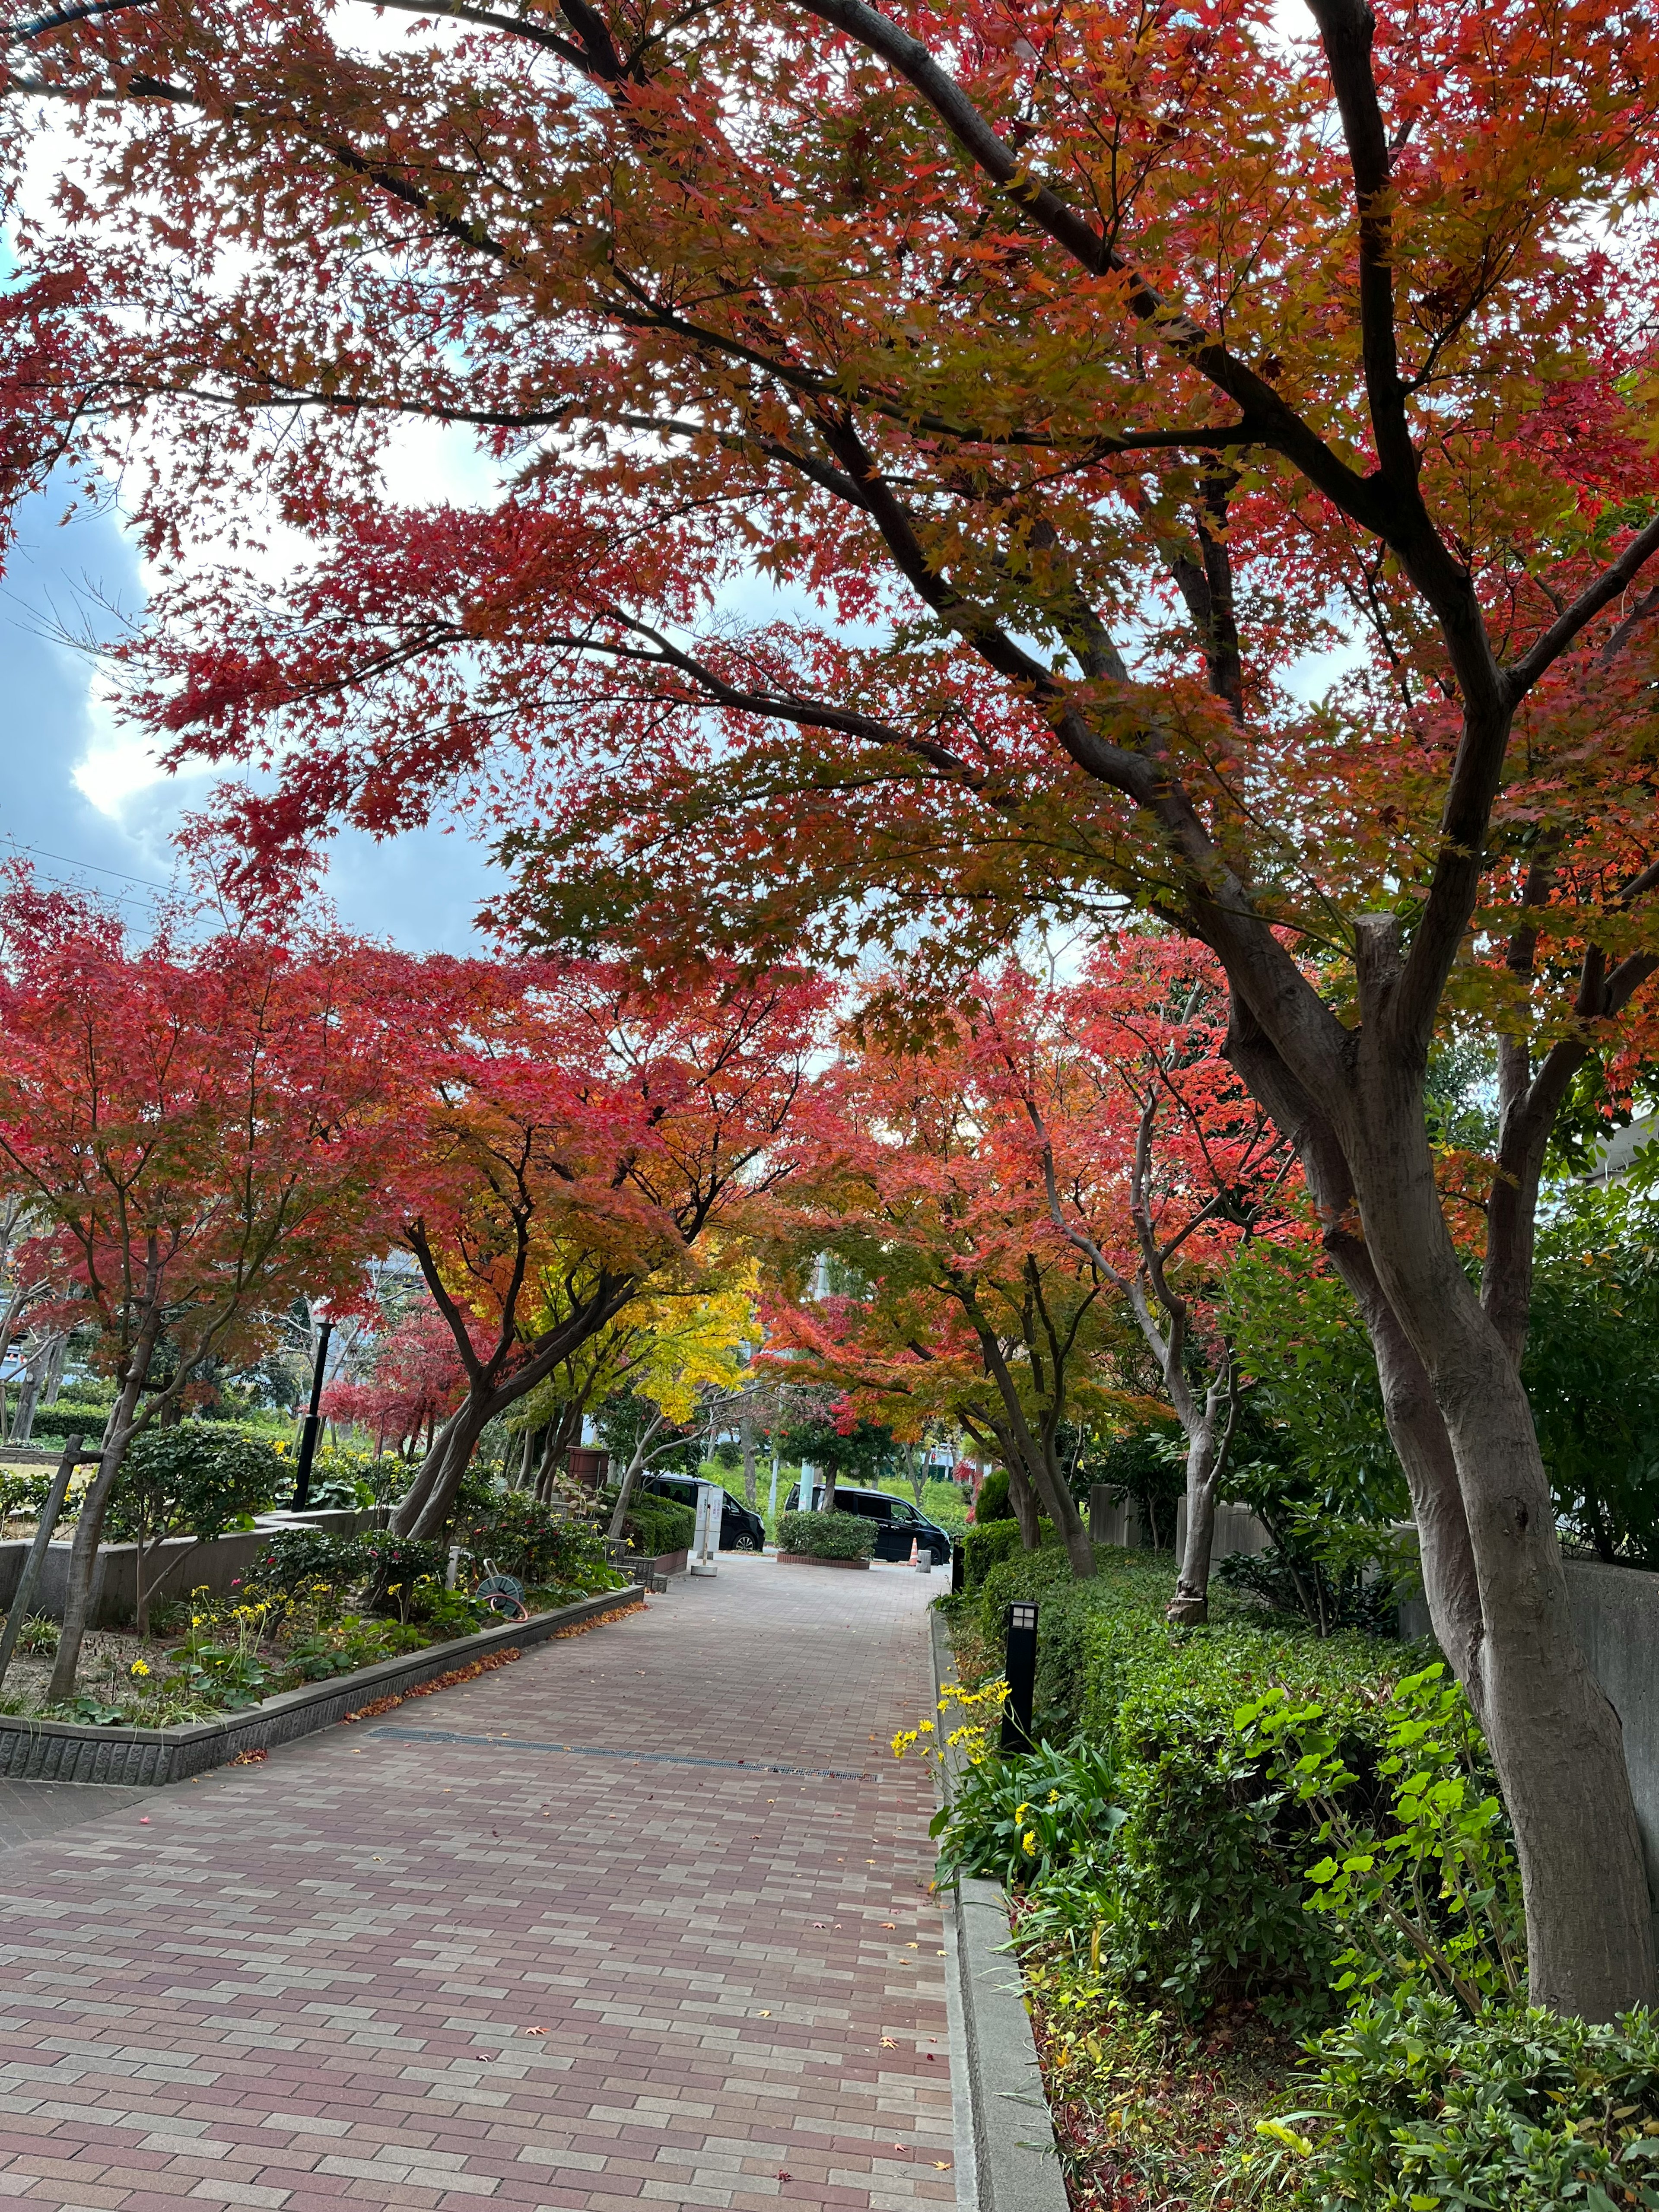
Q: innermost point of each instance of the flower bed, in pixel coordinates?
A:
(70, 1750)
(312, 1605)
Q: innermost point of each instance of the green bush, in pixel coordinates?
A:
(190, 1479)
(656, 1525)
(530, 1541)
(985, 1547)
(994, 1502)
(1203, 1893)
(827, 1535)
(1413, 2107)
(67, 1418)
(298, 1559)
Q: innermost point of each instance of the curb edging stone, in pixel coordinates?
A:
(1006, 2158)
(74, 1751)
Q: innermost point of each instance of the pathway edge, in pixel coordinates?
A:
(1006, 2154)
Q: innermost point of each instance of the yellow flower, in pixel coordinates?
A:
(1053, 1797)
(1288, 2136)
(1028, 1842)
(139, 1667)
(1020, 1811)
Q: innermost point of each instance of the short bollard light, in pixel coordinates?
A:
(1019, 1666)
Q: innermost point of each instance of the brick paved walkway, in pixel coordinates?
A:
(313, 1982)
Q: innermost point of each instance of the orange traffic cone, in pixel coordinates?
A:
(912, 1552)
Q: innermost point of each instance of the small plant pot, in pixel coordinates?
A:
(811, 1559)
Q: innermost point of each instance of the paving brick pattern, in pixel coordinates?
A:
(313, 1982)
(32, 1809)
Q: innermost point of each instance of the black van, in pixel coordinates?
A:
(740, 1523)
(898, 1524)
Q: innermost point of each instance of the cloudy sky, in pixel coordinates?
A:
(81, 798)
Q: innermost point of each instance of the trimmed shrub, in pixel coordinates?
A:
(191, 1480)
(984, 1546)
(66, 1419)
(993, 1503)
(656, 1525)
(827, 1535)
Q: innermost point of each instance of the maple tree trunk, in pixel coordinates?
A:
(1023, 1498)
(1555, 1740)
(1190, 1605)
(90, 1526)
(433, 1477)
(746, 1432)
(1460, 1420)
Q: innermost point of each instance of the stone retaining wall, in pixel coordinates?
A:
(184, 1565)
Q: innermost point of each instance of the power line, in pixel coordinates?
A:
(97, 866)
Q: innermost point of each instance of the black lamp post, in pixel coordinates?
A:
(312, 1422)
(1020, 1667)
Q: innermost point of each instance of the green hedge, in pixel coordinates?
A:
(656, 1525)
(1208, 1862)
(827, 1535)
(986, 1545)
(53, 1423)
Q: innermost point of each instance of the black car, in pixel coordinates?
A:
(739, 1524)
(898, 1524)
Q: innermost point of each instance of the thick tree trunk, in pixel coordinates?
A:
(746, 1433)
(1555, 1740)
(90, 1526)
(457, 1442)
(432, 1476)
(1492, 1564)
(1021, 1496)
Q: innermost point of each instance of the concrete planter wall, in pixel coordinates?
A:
(185, 1565)
(66, 1751)
(811, 1559)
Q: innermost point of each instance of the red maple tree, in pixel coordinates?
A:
(579, 1138)
(413, 1382)
(203, 1127)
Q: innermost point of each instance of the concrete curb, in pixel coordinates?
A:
(69, 1751)
(1006, 2158)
